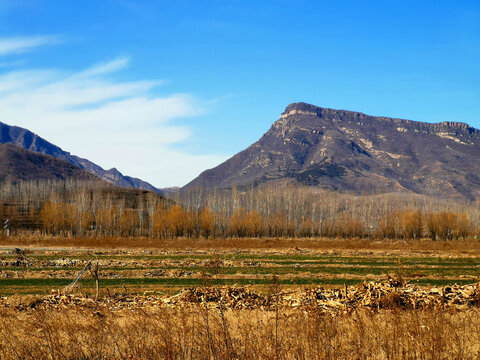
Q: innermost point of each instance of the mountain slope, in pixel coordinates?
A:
(19, 164)
(351, 151)
(30, 141)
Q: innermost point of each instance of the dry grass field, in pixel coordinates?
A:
(247, 334)
(136, 315)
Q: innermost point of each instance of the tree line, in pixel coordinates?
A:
(175, 221)
(78, 209)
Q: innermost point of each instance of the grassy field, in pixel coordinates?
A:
(200, 334)
(169, 269)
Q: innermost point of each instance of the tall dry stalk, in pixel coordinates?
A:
(158, 333)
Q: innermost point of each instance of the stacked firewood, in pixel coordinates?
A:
(373, 295)
(391, 294)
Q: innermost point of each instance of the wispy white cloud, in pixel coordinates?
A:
(105, 68)
(114, 123)
(18, 45)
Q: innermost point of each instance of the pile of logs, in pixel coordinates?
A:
(373, 295)
(228, 297)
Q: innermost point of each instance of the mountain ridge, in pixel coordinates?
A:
(19, 164)
(302, 106)
(352, 151)
(28, 140)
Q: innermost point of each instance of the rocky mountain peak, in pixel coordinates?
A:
(351, 151)
(301, 108)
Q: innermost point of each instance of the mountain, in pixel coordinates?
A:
(20, 164)
(30, 141)
(170, 190)
(354, 152)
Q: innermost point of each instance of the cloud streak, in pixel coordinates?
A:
(18, 45)
(113, 123)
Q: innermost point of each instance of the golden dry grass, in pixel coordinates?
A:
(212, 334)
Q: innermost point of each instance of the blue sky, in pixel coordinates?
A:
(165, 89)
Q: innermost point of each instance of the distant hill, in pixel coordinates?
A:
(351, 151)
(17, 164)
(170, 190)
(29, 179)
(30, 141)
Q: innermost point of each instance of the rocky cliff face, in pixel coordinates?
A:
(351, 151)
(26, 139)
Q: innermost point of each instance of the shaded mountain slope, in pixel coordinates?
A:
(17, 164)
(351, 151)
(28, 140)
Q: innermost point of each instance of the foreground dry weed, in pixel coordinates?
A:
(201, 333)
